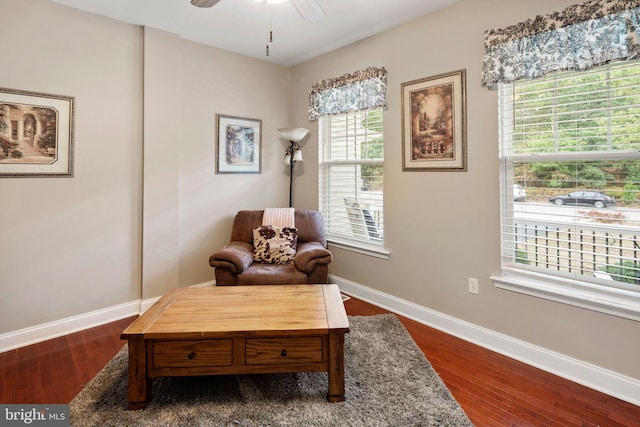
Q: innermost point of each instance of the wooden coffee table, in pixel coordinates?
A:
(238, 330)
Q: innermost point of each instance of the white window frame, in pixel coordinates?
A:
(594, 294)
(340, 236)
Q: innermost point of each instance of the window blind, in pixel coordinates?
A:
(570, 159)
(351, 156)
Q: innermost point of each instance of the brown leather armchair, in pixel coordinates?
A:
(234, 264)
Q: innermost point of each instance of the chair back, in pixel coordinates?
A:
(310, 225)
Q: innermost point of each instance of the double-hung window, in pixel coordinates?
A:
(569, 119)
(570, 168)
(351, 177)
(350, 110)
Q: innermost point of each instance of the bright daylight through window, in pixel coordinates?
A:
(351, 178)
(570, 160)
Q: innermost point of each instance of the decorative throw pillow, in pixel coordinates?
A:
(274, 245)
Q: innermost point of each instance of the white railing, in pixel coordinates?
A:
(587, 249)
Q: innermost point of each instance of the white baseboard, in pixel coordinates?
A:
(202, 285)
(58, 328)
(586, 374)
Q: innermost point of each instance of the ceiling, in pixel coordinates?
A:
(242, 26)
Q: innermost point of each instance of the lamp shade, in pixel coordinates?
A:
(293, 134)
(297, 156)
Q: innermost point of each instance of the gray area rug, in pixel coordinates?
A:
(388, 382)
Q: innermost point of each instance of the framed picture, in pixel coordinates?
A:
(434, 123)
(239, 145)
(36, 134)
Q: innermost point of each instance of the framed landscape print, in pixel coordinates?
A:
(36, 134)
(239, 145)
(434, 123)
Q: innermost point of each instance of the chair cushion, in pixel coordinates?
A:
(271, 274)
(274, 245)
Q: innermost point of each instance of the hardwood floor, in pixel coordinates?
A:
(492, 389)
(55, 371)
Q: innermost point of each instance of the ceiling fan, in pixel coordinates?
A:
(309, 10)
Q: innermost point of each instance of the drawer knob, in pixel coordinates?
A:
(191, 355)
(283, 353)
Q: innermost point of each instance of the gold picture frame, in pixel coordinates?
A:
(36, 134)
(434, 123)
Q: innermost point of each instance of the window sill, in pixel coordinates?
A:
(617, 302)
(360, 247)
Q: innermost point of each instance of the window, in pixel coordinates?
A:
(351, 178)
(570, 180)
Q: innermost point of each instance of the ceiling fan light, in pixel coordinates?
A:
(204, 3)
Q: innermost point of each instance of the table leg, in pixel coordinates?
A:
(336, 368)
(139, 383)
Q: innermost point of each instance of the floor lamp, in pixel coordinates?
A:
(293, 153)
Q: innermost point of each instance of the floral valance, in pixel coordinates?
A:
(360, 90)
(580, 37)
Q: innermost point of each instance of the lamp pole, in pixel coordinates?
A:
(293, 135)
(291, 163)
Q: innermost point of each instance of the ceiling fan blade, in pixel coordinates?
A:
(310, 10)
(204, 3)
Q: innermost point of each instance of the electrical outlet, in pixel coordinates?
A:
(473, 286)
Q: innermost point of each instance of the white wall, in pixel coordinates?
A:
(443, 227)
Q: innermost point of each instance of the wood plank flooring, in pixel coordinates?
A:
(492, 389)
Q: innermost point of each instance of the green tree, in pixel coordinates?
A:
(372, 149)
(582, 112)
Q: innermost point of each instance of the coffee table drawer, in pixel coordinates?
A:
(178, 354)
(266, 351)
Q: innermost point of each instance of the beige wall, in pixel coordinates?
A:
(442, 227)
(219, 82)
(72, 245)
(144, 136)
(161, 169)
(145, 208)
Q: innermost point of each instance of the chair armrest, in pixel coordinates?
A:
(309, 255)
(235, 257)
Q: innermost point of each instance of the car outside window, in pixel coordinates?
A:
(571, 140)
